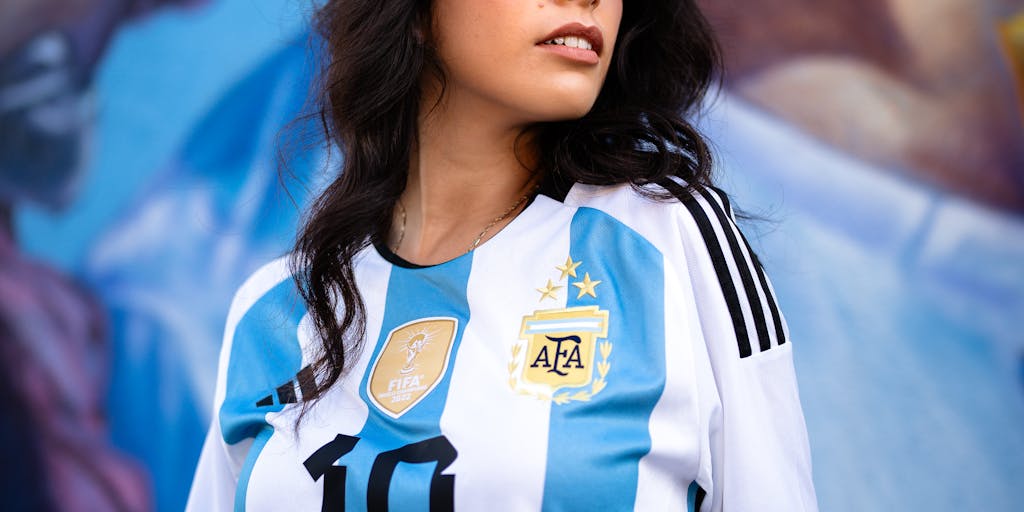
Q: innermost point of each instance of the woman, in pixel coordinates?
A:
(522, 293)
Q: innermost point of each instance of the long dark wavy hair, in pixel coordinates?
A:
(368, 95)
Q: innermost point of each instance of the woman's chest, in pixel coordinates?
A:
(556, 386)
(551, 369)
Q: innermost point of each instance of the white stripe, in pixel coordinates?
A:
(542, 326)
(675, 421)
(782, 318)
(497, 432)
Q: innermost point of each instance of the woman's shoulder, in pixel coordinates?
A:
(703, 250)
(258, 285)
(272, 290)
(696, 230)
(669, 213)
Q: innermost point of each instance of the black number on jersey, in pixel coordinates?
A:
(436, 449)
(321, 463)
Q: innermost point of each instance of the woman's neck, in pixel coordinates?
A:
(463, 174)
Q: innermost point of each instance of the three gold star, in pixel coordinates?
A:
(569, 269)
(548, 292)
(586, 286)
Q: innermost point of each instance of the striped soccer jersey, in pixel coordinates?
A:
(605, 352)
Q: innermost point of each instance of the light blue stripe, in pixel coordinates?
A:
(438, 291)
(242, 489)
(595, 446)
(562, 329)
(265, 353)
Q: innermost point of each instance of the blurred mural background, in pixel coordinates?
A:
(882, 141)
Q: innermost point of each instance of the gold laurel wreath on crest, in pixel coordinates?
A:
(582, 395)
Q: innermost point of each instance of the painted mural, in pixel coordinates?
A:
(880, 143)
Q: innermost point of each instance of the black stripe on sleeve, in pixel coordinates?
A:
(743, 266)
(780, 325)
(725, 201)
(307, 383)
(769, 294)
(717, 255)
(286, 393)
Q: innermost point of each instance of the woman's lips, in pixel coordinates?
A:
(574, 54)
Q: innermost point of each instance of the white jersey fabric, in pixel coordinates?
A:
(605, 352)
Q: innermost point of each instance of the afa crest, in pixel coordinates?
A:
(562, 351)
(409, 366)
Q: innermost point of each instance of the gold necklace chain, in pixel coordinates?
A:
(503, 216)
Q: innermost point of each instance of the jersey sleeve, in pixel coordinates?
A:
(216, 475)
(755, 450)
(215, 481)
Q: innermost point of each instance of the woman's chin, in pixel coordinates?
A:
(566, 109)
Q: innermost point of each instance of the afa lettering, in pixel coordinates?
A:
(436, 449)
(571, 355)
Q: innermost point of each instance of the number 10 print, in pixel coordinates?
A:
(436, 449)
